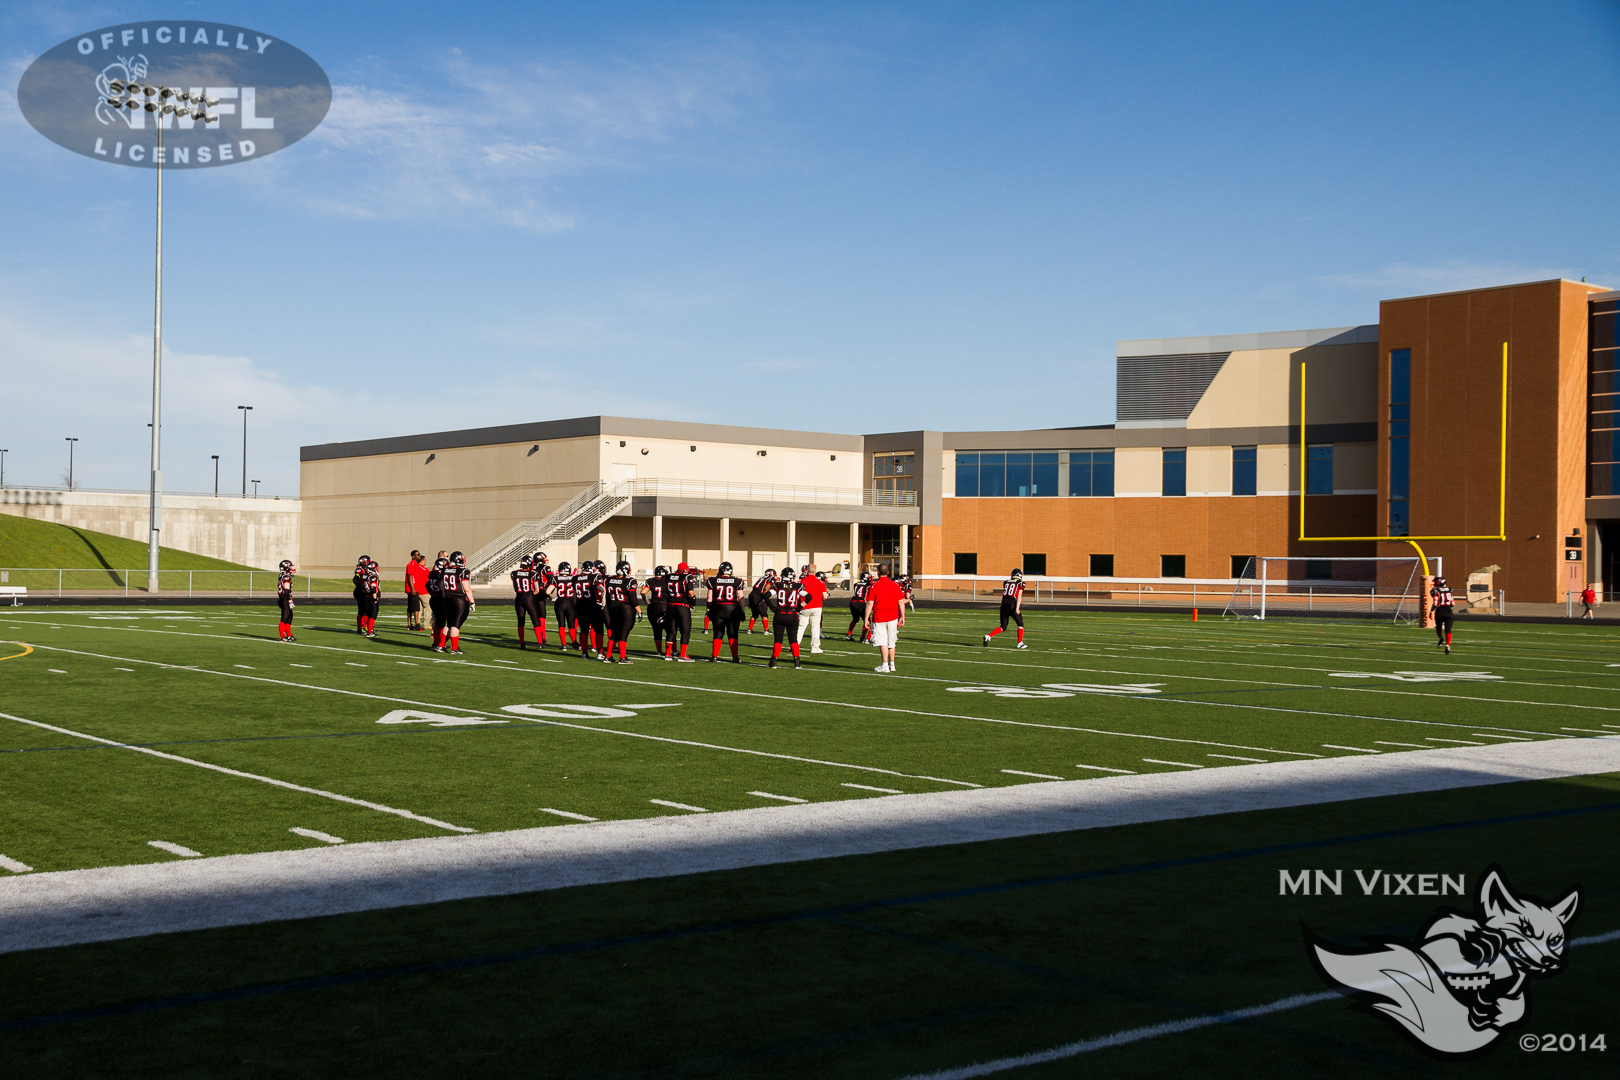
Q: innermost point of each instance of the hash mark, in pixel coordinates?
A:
(1037, 775)
(1183, 764)
(1357, 749)
(780, 798)
(869, 787)
(1235, 757)
(1105, 768)
(314, 834)
(14, 866)
(174, 849)
(678, 805)
(567, 814)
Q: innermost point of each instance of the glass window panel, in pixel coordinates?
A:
(1606, 479)
(1400, 468)
(1319, 470)
(1399, 429)
(1079, 474)
(966, 562)
(1604, 382)
(1605, 445)
(1400, 375)
(1603, 331)
(1605, 420)
(1172, 566)
(1046, 477)
(1102, 474)
(992, 475)
(1244, 470)
(967, 475)
(1400, 412)
(1174, 480)
(1399, 525)
(1102, 566)
(1020, 479)
(1045, 459)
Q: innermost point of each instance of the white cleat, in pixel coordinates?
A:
(1020, 645)
(987, 639)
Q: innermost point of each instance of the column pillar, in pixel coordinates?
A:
(905, 549)
(725, 539)
(658, 539)
(854, 550)
(793, 545)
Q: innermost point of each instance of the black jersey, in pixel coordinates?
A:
(660, 588)
(905, 587)
(620, 589)
(682, 589)
(284, 583)
(788, 597)
(1012, 589)
(371, 582)
(725, 589)
(451, 578)
(1441, 595)
(523, 582)
(590, 589)
(765, 584)
(435, 579)
(857, 595)
(544, 580)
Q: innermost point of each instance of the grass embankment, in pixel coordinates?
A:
(31, 552)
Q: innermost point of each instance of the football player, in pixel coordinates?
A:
(564, 603)
(682, 593)
(435, 588)
(657, 590)
(759, 600)
(284, 593)
(361, 598)
(588, 600)
(1445, 607)
(726, 593)
(526, 599)
(905, 591)
(857, 606)
(456, 599)
(787, 598)
(1012, 606)
(623, 598)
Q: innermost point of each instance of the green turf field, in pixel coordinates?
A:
(879, 965)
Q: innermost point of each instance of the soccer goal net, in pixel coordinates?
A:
(1388, 587)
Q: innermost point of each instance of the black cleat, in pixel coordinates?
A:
(522, 644)
(772, 664)
(797, 663)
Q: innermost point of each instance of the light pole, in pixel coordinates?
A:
(3, 454)
(255, 489)
(163, 103)
(70, 443)
(216, 474)
(245, 410)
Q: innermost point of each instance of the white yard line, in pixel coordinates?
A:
(1036, 775)
(678, 805)
(1183, 764)
(1460, 742)
(1105, 768)
(1489, 700)
(1357, 749)
(1234, 757)
(1418, 746)
(869, 787)
(243, 775)
(778, 798)
(14, 866)
(567, 814)
(174, 849)
(53, 908)
(316, 834)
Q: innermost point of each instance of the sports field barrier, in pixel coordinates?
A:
(103, 581)
(1309, 596)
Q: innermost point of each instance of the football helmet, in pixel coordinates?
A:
(458, 558)
(1017, 574)
(362, 560)
(525, 563)
(1440, 583)
(286, 564)
(539, 558)
(787, 573)
(623, 567)
(725, 568)
(803, 570)
(564, 567)
(660, 571)
(372, 564)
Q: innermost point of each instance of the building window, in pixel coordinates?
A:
(967, 475)
(885, 539)
(1243, 566)
(1400, 441)
(1172, 566)
(1020, 478)
(1175, 470)
(1044, 475)
(967, 562)
(1091, 472)
(992, 475)
(1035, 564)
(1102, 566)
(1318, 570)
(1319, 469)
(894, 472)
(1244, 471)
(1603, 428)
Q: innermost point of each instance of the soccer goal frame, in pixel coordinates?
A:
(1394, 587)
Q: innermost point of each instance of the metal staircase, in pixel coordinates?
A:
(569, 521)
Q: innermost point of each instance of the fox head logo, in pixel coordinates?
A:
(1465, 982)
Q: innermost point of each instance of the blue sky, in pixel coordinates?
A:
(833, 217)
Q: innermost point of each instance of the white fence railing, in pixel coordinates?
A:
(1308, 595)
(62, 580)
(788, 493)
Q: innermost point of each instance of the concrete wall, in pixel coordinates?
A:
(252, 532)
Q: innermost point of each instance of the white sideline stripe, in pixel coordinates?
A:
(1490, 700)
(678, 805)
(14, 866)
(174, 849)
(1183, 764)
(243, 775)
(650, 705)
(567, 814)
(869, 787)
(1105, 768)
(1154, 1031)
(778, 798)
(1234, 757)
(316, 834)
(1364, 750)
(1037, 775)
(40, 910)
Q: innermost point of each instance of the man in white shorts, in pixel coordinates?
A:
(885, 617)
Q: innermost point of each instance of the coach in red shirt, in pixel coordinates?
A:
(885, 617)
(416, 575)
(812, 609)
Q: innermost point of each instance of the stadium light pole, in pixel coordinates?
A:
(3, 454)
(245, 410)
(163, 102)
(71, 440)
(216, 474)
(255, 489)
